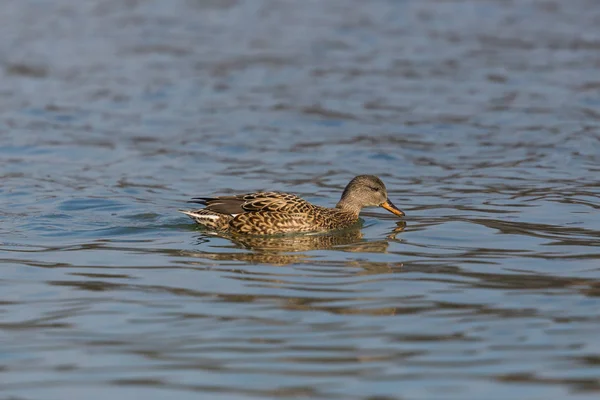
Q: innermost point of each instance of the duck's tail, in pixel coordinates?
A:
(209, 219)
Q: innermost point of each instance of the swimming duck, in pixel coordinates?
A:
(271, 213)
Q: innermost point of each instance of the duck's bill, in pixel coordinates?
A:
(388, 205)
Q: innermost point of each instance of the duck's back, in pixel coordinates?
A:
(253, 202)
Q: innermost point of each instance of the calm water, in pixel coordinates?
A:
(482, 117)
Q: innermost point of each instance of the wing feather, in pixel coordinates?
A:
(254, 202)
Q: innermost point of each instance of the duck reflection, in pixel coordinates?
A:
(283, 250)
(240, 251)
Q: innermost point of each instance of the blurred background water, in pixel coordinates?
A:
(481, 116)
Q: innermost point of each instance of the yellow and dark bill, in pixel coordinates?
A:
(388, 205)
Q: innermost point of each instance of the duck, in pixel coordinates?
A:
(273, 213)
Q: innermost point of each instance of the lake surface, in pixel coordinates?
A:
(482, 118)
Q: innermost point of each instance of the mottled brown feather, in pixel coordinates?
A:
(260, 201)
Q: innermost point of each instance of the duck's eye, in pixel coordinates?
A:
(374, 188)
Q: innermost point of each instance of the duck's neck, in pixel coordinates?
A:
(348, 206)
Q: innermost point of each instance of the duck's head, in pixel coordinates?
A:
(366, 191)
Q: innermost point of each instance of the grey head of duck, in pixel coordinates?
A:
(366, 191)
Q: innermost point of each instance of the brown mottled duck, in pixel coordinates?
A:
(272, 213)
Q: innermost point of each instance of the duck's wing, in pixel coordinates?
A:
(275, 202)
(231, 205)
(253, 202)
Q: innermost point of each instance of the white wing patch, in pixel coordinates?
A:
(196, 215)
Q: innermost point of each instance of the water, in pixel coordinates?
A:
(482, 118)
